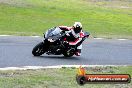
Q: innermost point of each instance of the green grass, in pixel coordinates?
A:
(111, 19)
(58, 78)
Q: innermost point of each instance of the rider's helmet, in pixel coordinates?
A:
(77, 27)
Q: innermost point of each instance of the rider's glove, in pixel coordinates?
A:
(67, 34)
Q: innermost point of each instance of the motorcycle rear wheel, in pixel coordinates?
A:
(68, 53)
(38, 49)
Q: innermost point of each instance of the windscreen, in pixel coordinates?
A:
(53, 31)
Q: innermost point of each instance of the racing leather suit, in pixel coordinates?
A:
(73, 38)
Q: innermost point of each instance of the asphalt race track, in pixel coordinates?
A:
(16, 52)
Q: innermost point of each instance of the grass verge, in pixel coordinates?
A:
(102, 18)
(58, 78)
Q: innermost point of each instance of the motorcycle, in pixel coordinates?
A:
(55, 43)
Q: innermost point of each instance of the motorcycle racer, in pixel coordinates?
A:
(74, 35)
(62, 40)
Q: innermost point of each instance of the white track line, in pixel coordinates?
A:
(122, 39)
(5, 35)
(35, 36)
(98, 38)
(58, 66)
(16, 36)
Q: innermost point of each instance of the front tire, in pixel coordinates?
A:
(38, 49)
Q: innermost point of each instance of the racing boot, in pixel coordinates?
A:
(78, 52)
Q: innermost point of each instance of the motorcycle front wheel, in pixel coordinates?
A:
(38, 49)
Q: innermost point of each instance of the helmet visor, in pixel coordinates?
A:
(77, 30)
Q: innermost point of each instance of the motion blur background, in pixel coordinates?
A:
(102, 18)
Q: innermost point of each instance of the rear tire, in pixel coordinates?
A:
(68, 53)
(38, 49)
